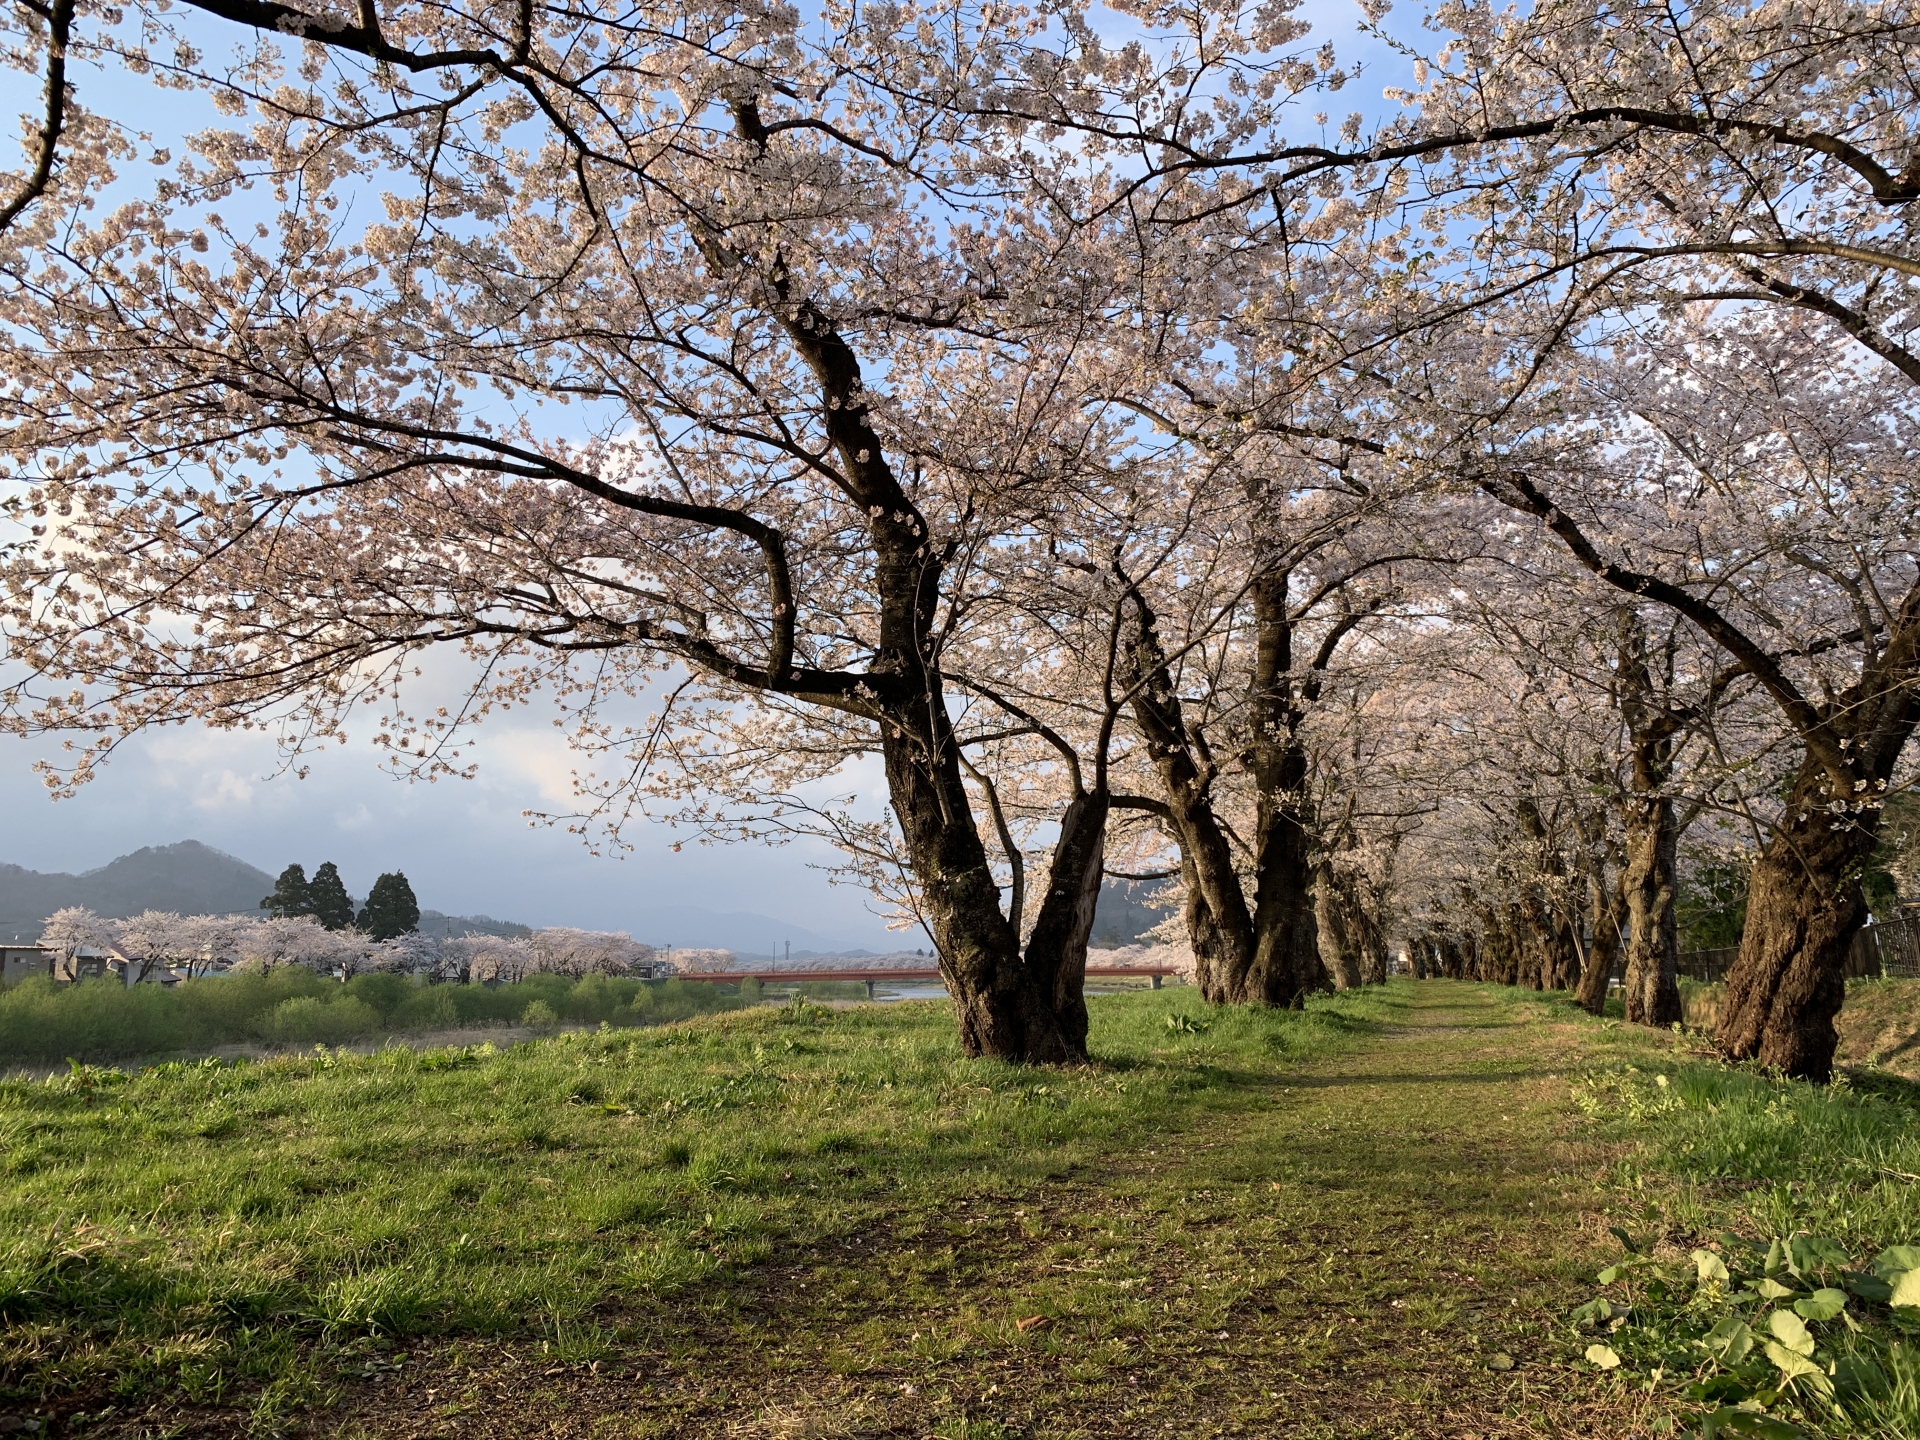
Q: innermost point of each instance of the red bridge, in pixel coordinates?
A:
(871, 977)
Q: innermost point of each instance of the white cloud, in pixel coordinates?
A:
(230, 791)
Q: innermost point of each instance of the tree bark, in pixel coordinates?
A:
(1338, 950)
(1804, 904)
(1287, 962)
(1057, 948)
(1804, 901)
(1605, 906)
(1219, 924)
(1012, 1007)
(1653, 938)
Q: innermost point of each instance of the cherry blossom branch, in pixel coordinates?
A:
(59, 25)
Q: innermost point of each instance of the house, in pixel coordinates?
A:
(22, 962)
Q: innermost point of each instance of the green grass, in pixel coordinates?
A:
(42, 1022)
(1369, 1219)
(1723, 1155)
(195, 1229)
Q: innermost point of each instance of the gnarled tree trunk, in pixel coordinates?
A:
(1605, 908)
(1022, 1008)
(1339, 951)
(1267, 953)
(1057, 948)
(1804, 905)
(1653, 938)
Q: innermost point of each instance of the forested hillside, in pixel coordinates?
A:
(188, 877)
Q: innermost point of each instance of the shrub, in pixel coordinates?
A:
(309, 1020)
(540, 1016)
(385, 993)
(430, 1008)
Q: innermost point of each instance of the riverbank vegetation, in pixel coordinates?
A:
(46, 1022)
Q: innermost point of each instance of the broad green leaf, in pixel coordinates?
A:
(1798, 1370)
(1906, 1288)
(1811, 1252)
(1710, 1266)
(1729, 1342)
(1603, 1356)
(1594, 1312)
(1896, 1260)
(1822, 1304)
(1611, 1274)
(1791, 1331)
(1776, 1257)
(1772, 1289)
(1870, 1287)
(1627, 1241)
(1733, 1421)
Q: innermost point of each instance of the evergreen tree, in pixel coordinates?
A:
(391, 909)
(332, 906)
(291, 894)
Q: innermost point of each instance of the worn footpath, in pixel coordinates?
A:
(1381, 1244)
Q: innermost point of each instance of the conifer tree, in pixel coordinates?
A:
(391, 909)
(292, 895)
(331, 905)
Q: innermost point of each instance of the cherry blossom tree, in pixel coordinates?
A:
(300, 940)
(486, 959)
(72, 929)
(630, 381)
(562, 951)
(1759, 437)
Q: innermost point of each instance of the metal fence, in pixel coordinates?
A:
(1889, 949)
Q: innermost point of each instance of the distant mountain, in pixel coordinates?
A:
(1121, 916)
(754, 938)
(196, 879)
(189, 877)
(433, 922)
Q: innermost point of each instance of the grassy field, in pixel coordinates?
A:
(1370, 1219)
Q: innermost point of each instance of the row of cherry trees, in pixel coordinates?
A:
(1406, 530)
(162, 940)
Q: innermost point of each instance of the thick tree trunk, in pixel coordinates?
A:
(1219, 925)
(1375, 961)
(1287, 961)
(1339, 951)
(1604, 908)
(1565, 971)
(1004, 1007)
(1002, 1011)
(1057, 948)
(1804, 904)
(1368, 938)
(1286, 965)
(1652, 987)
(1535, 965)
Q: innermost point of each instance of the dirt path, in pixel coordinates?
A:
(1377, 1245)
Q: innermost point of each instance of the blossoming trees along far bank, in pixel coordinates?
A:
(1038, 415)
